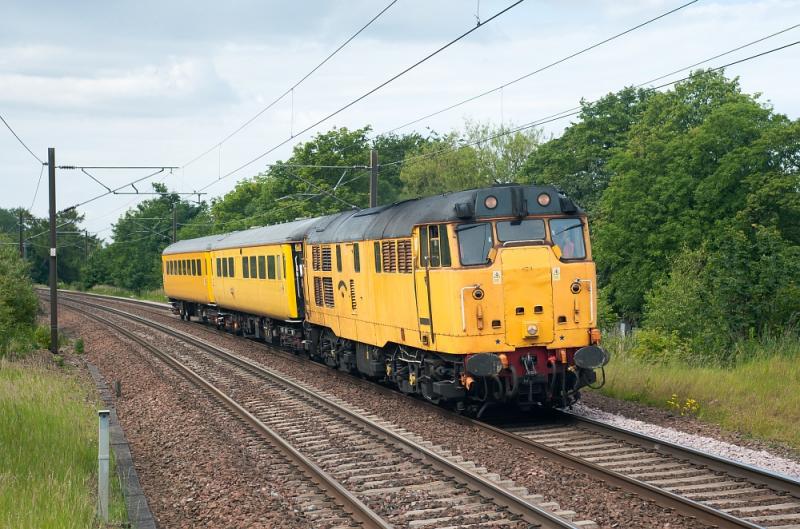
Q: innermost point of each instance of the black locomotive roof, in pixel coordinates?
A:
(392, 221)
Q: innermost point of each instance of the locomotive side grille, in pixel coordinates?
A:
(404, 256)
(353, 295)
(318, 291)
(326, 259)
(315, 258)
(327, 290)
(389, 255)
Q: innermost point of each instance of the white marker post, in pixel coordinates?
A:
(103, 459)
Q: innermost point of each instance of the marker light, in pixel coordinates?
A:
(533, 330)
(543, 199)
(490, 202)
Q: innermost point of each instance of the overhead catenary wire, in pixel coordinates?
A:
(20, 140)
(36, 191)
(538, 70)
(291, 89)
(577, 110)
(368, 93)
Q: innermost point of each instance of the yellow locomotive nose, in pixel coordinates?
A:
(527, 298)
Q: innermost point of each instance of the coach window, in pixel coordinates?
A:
(377, 248)
(271, 266)
(474, 243)
(277, 267)
(262, 267)
(199, 267)
(183, 267)
(253, 267)
(231, 269)
(224, 267)
(219, 267)
(245, 267)
(356, 258)
(194, 267)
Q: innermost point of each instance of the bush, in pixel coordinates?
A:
(658, 347)
(18, 302)
(79, 347)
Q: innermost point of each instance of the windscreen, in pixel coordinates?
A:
(567, 234)
(474, 243)
(521, 230)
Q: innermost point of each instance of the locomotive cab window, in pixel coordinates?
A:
(567, 234)
(521, 230)
(474, 243)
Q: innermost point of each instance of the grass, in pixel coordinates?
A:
(156, 294)
(48, 454)
(757, 395)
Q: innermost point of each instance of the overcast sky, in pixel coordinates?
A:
(159, 82)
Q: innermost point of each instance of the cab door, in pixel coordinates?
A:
(422, 291)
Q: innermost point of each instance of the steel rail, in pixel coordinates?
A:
(488, 488)
(350, 503)
(656, 494)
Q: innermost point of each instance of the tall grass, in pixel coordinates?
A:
(48, 451)
(756, 393)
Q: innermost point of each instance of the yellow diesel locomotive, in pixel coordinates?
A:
(468, 298)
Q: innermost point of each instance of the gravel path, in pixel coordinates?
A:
(748, 456)
(590, 498)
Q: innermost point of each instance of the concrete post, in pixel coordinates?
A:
(103, 459)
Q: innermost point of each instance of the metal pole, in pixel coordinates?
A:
(103, 459)
(174, 223)
(21, 230)
(373, 178)
(51, 169)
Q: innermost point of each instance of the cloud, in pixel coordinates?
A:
(173, 87)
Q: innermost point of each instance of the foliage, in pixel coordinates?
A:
(695, 164)
(481, 157)
(18, 303)
(577, 162)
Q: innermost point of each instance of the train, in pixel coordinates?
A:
(468, 299)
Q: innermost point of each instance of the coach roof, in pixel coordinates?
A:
(392, 221)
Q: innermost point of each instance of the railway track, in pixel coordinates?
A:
(714, 490)
(383, 476)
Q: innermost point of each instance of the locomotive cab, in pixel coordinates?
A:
(526, 291)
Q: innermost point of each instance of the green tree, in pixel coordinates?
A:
(133, 259)
(481, 156)
(671, 182)
(18, 303)
(577, 162)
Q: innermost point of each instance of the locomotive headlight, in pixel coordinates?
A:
(490, 202)
(543, 199)
(533, 329)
